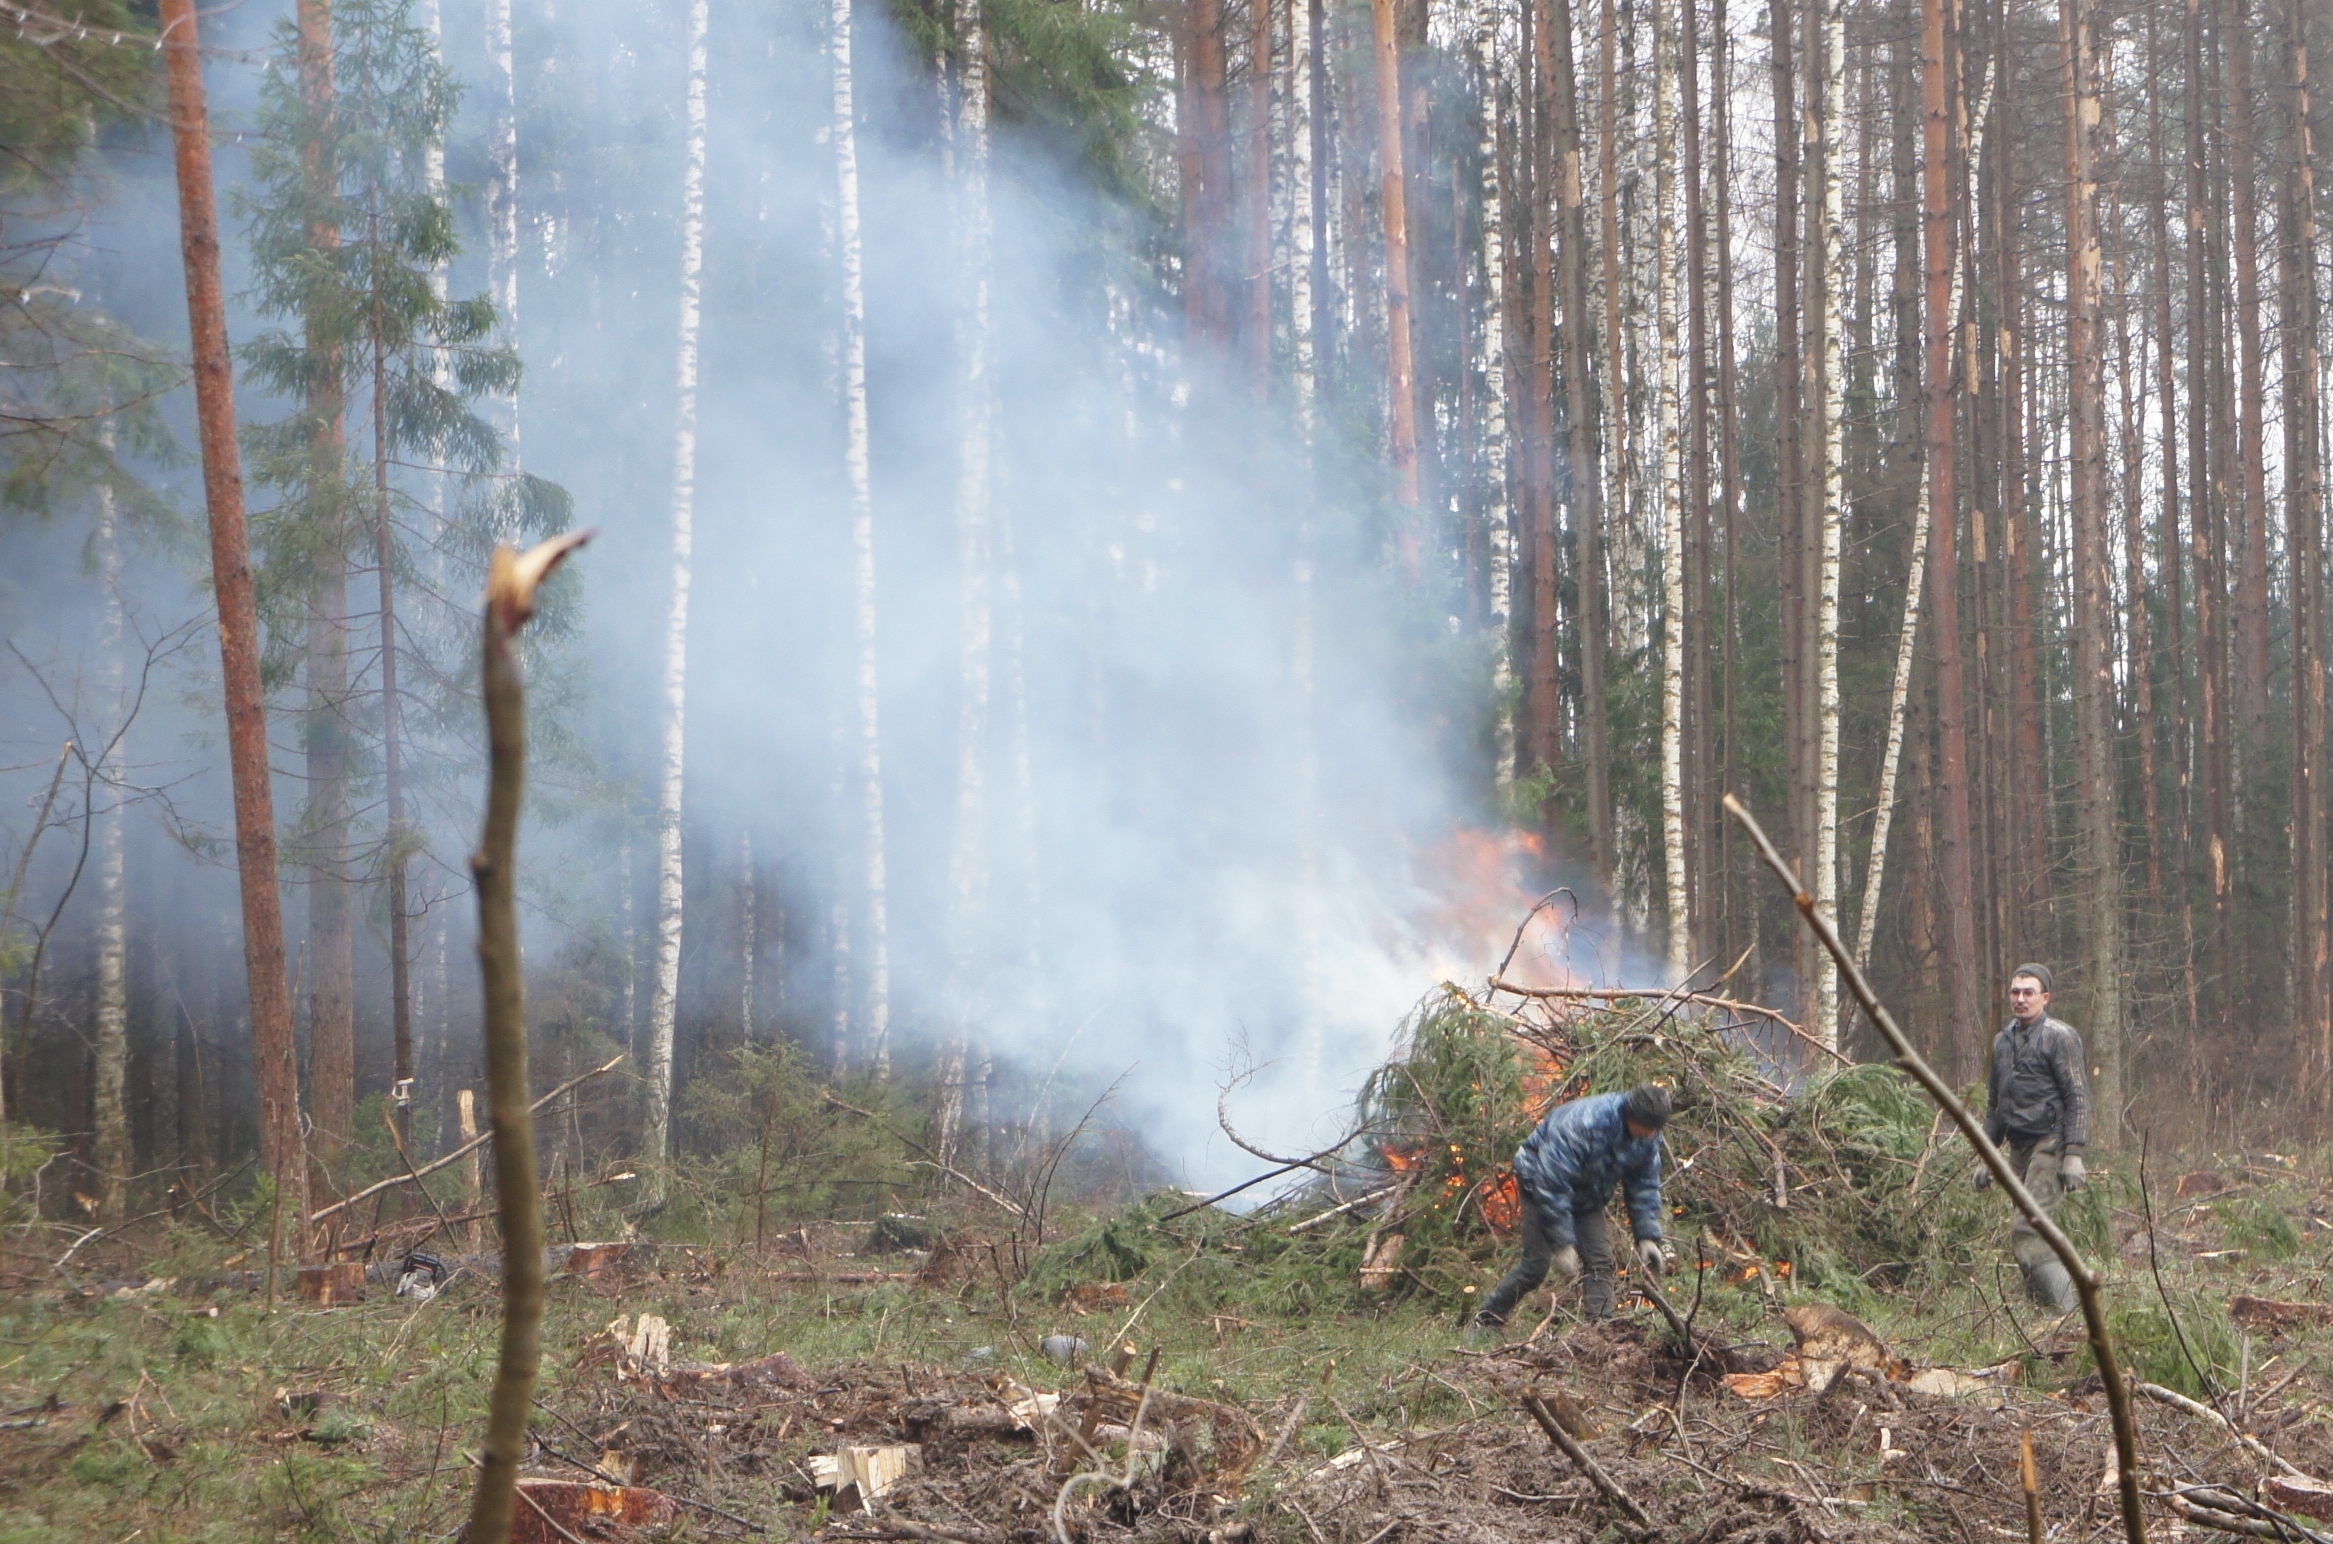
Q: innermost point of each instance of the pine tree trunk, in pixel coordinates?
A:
(2203, 515)
(1207, 253)
(110, 1044)
(968, 868)
(1256, 323)
(392, 743)
(1544, 682)
(2093, 562)
(2250, 611)
(1583, 461)
(1962, 970)
(2305, 523)
(875, 1035)
(1729, 452)
(664, 990)
(1789, 372)
(1700, 799)
(1400, 369)
(1611, 463)
(326, 733)
(282, 1153)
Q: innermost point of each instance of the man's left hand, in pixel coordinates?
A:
(1652, 1257)
(2071, 1173)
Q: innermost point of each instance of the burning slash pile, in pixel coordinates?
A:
(1777, 1178)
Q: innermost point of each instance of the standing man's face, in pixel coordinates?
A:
(2027, 1000)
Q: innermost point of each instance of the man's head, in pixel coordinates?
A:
(2029, 993)
(1647, 1110)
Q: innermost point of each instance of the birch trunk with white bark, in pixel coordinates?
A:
(1493, 431)
(874, 864)
(1830, 267)
(111, 1047)
(968, 866)
(664, 991)
(1678, 903)
(502, 197)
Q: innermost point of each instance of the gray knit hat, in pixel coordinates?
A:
(2039, 973)
(1648, 1104)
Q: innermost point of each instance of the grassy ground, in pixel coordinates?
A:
(158, 1414)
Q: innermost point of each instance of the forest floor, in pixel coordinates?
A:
(171, 1403)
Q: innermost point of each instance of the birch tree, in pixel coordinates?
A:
(876, 1033)
(502, 190)
(664, 989)
(968, 867)
(1827, 491)
(1493, 352)
(110, 1044)
(1672, 495)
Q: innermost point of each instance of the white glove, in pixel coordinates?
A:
(1564, 1266)
(1652, 1257)
(2071, 1174)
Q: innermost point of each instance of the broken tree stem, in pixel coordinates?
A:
(1571, 1449)
(2126, 1443)
(510, 594)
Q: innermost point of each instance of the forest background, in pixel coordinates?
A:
(1211, 508)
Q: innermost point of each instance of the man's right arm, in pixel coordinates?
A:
(1995, 1128)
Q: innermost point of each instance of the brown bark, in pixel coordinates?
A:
(1400, 372)
(1791, 474)
(1583, 460)
(1543, 680)
(2098, 845)
(2140, 659)
(392, 742)
(255, 843)
(2028, 827)
(1962, 972)
(1258, 320)
(2210, 736)
(2304, 504)
(1206, 246)
(2249, 634)
(1700, 798)
(331, 917)
(1729, 452)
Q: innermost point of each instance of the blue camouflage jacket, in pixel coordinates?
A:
(1570, 1164)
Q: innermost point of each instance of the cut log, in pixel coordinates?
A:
(1094, 1296)
(858, 1475)
(776, 1370)
(1381, 1266)
(586, 1510)
(595, 1261)
(2310, 1498)
(2264, 1313)
(341, 1281)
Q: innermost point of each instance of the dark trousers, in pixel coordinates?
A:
(1591, 1233)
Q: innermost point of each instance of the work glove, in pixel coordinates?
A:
(1652, 1257)
(1984, 1179)
(1564, 1266)
(2071, 1173)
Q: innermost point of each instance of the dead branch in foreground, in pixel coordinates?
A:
(2086, 1280)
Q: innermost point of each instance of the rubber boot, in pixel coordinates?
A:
(2047, 1283)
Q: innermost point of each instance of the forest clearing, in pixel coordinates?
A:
(998, 1371)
